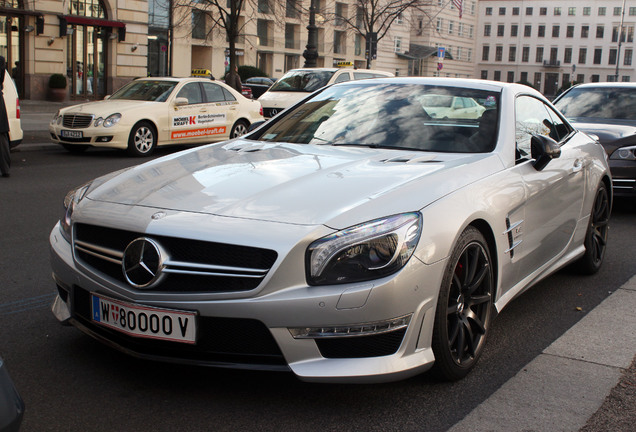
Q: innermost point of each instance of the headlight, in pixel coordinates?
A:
(112, 119)
(367, 251)
(624, 153)
(55, 117)
(70, 201)
(98, 121)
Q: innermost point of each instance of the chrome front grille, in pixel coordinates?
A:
(76, 121)
(190, 265)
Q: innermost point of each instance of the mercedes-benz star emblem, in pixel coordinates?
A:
(274, 112)
(142, 262)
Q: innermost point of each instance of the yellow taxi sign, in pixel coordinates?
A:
(344, 64)
(201, 73)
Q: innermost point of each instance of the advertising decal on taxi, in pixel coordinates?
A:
(200, 119)
(191, 133)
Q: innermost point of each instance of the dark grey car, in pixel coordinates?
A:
(608, 111)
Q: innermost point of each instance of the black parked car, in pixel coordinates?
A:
(259, 85)
(608, 111)
(11, 404)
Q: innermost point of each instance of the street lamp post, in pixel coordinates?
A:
(620, 40)
(311, 53)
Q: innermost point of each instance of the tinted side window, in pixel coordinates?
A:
(342, 77)
(559, 129)
(213, 92)
(531, 118)
(228, 96)
(192, 92)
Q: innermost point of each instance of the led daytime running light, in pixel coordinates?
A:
(365, 329)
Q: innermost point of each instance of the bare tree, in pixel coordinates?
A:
(372, 19)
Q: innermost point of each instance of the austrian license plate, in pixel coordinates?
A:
(144, 321)
(72, 134)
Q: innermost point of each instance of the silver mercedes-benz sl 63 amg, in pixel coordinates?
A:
(352, 238)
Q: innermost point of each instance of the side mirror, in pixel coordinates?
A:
(256, 125)
(180, 101)
(543, 149)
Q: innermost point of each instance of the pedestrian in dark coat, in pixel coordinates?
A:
(5, 155)
(234, 80)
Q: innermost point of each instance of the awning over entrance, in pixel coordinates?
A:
(65, 20)
(418, 52)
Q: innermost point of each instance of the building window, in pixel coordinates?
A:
(557, 11)
(512, 53)
(541, 31)
(502, 11)
(543, 11)
(566, 80)
(525, 54)
(537, 80)
(571, 11)
(511, 76)
(471, 31)
(341, 14)
(626, 78)
(555, 31)
(485, 52)
(515, 11)
(582, 55)
(524, 77)
(612, 56)
(497, 76)
(527, 30)
(539, 56)
(595, 78)
(488, 11)
(554, 54)
(627, 61)
(440, 24)
(458, 54)
(600, 32)
(567, 56)
(460, 29)
(397, 44)
(601, 12)
(451, 24)
(262, 32)
(291, 9)
(617, 11)
(291, 39)
(484, 74)
(198, 24)
(263, 6)
(632, 11)
(598, 55)
(469, 55)
(587, 11)
(514, 29)
(585, 32)
(528, 11)
(569, 31)
(580, 78)
(500, 30)
(339, 42)
(486, 30)
(498, 53)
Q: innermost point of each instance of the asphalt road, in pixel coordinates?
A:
(70, 382)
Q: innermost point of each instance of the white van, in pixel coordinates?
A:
(297, 84)
(12, 102)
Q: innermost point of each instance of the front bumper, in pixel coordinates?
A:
(252, 331)
(623, 177)
(113, 137)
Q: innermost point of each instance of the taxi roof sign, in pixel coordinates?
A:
(344, 64)
(201, 73)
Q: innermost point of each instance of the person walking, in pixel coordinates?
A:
(234, 80)
(5, 150)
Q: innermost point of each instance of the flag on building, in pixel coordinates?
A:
(459, 5)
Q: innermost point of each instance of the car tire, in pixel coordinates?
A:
(142, 140)
(596, 235)
(464, 307)
(75, 148)
(240, 128)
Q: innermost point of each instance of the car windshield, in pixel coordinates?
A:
(146, 90)
(302, 81)
(604, 103)
(388, 116)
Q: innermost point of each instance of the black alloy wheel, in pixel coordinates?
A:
(596, 236)
(464, 307)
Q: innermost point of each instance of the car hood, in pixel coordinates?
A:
(611, 136)
(292, 183)
(108, 107)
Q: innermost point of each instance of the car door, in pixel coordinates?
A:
(554, 195)
(223, 110)
(185, 124)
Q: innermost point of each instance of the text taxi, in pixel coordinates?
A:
(151, 112)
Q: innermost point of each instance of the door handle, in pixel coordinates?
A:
(578, 165)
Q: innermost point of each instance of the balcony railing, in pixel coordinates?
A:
(551, 63)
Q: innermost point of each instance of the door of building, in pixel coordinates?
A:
(86, 54)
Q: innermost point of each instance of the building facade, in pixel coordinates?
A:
(97, 44)
(551, 44)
